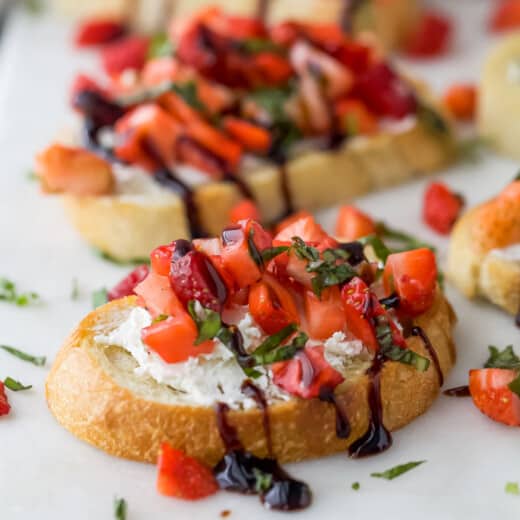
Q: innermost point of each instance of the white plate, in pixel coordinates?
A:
(45, 473)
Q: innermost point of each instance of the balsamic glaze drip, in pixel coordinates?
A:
(347, 13)
(262, 7)
(391, 302)
(355, 251)
(285, 189)
(236, 345)
(342, 422)
(418, 331)
(182, 248)
(458, 391)
(517, 319)
(239, 471)
(251, 390)
(377, 438)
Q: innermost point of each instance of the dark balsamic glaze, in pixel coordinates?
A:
(347, 13)
(390, 302)
(458, 391)
(355, 251)
(517, 319)
(249, 389)
(419, 332)
(342, 423)
(238, 471)
(262, 7)
(377, 438)
(182, 248)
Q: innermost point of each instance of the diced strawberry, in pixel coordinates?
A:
(161, 259)
(127, 53)
(194, 277)
(127, 285)
(441, 207)
(325, 315)
(252, 137)
(306, 374)
(272, 305)
(413, 276)
(157, 295)
(305, 227)
(357, 300)
(4, 403)
(431, 37)
(491, 395)
(236, 257)
(81, 83)
(355, 118)
(174, 338)
(159, 70)
(200, 158)
(353, 224)
(288, 221)
(270, 69)
(98, 31)
(184, 477)
(245, 209)
(505, 15)
(461, 100)
(262, 239)
(384, 92)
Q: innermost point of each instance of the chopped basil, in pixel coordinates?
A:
(275, 340)
(159, 318)
(253, 250)
(273, 252)
(188, 92)
(35, 360)
(395, 352)
(31, 175)
(160, 45)
(404, 241)
(263, 481)
(502, 358)
(257, 45)
(394, 472)
(432, 120)
(9, 293)
(470, 150)
(208, 322)
(381, 251)
(512, 488)
(283, 353)
(517, 177)
(14, 385)
(120, 508)
(355, 486)
(110, 258)
(74, 292)
(99, 297)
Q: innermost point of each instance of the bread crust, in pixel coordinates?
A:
(390, 21)
(476, 271)
(89, 399)
(126, 229)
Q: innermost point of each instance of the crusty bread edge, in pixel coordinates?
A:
(88, 402)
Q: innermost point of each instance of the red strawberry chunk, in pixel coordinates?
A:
(98, 31)
(306, 374)
(4, 403)
(128, 53)
(505, 15)
(184, 477)
(431, 37)
(194, 277)
(127, 285)
(83, 83)
(441, 207)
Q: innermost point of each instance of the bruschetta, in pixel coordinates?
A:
(309, 345)
(391, 21)
(484, 253)
(292, 116)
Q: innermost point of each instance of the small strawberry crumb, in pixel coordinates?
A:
(225, 513)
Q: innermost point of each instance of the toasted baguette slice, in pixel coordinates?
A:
(390, 21)
(480, 271)
(127, 228)
(499, 103)
(93, 391)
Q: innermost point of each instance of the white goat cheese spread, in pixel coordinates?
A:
(215, 377)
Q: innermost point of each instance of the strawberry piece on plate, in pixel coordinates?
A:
(4, 403)
(127, 53)
(441, 207)
(98, 31)
(352, 224)
(432, 36)
(127, 285)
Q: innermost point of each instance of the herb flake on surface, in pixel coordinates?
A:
(35, 360)
(14, 385)
(396, 471)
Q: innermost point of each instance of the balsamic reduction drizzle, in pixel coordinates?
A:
(377, 438)
(239, 471)
(391, 302)
(342, 423)
(262, 7)
(355, 252)
(251, 390)
(418, 331)
(347, 13)
(458, 391)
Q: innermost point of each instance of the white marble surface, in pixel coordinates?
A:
(45, 473)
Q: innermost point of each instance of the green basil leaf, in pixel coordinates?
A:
(74, 292)
(253, 250)
(116, 261)
(99, 297)
(405, 241)
(512, 488)
(9, 293)
(263, 481)
(120, 508)
(35, 360)
(432, 120)
(502, 358)
(208, 322)
(160, 45)
(14, 385)
(257, 45)
(282, 353)
(274, 341)
(381, 251)
(394, 472)
(161, 317)
(273, 252)
(355, 486)
(188, 92)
